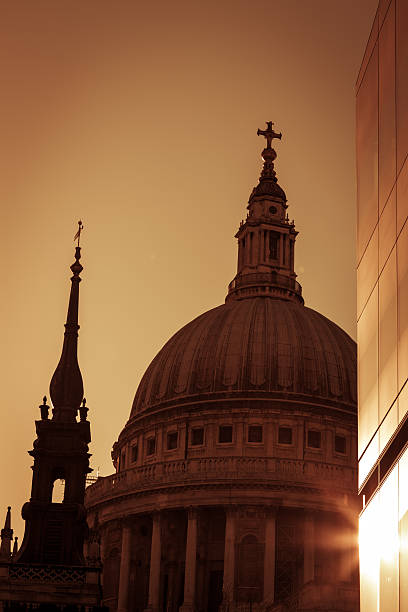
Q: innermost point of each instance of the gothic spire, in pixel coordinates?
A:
(15, 546)
(66, 387)
(6, 536)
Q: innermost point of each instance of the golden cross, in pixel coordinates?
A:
(269, 134)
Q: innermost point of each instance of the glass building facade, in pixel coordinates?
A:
(382, 310)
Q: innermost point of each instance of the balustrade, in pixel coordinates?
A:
(212, 468)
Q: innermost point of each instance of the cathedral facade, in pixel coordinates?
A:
(235, 476)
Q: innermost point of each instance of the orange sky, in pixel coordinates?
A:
(141, 119)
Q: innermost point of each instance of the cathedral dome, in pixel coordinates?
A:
(239, 457)
(257, 345)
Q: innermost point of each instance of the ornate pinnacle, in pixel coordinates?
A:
(269, 154)
(66, 387)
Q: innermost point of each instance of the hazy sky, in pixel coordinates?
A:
(141, 118)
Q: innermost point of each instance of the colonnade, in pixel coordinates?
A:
(229, 570)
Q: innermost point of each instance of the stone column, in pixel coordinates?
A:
(270, 556)
(123, 593)
(229, 558)
(155, 560)
(309, 548)
(171, 583)
(191, 562)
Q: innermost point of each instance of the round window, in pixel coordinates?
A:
(272, 210)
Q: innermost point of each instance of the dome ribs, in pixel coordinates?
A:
(205, 367)
(220, 380)
(188, 353)
(284, 350)
(258, 345)
(235, 357)
(314, 355)
(257, 341)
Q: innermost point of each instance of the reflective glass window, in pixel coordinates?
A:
(388, 335)
(368, 459)
(403, 529)
(402, 257)
(387, 233)
(369, 556)
(389, 543)
(387, 134)
(388, 426)
(367, 273)
(367, 154)
(402, 197)
(367, 347)
(402, 82)
(402, 403)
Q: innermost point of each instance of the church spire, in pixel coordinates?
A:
(266, 239)
(6, 536)
(66, 387)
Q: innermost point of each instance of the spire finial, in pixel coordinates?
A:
(6, 536)
(15, 546)
(269, 154)
(78, 234)
(269, 134)
(66, 387)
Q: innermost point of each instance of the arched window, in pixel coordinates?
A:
(250, 569)
(58, 491)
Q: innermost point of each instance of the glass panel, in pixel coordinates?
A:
(388, 426)
(403, 526)
(402, 403)
(389, 543)
(402, 254)
(402, 82)
(367, 154)
(387, 230)
(369, 49)
(367, 273)
(387, 139)
(388, 335)
(369, 556)
(368, 459)
(367, 343)
(402, 197)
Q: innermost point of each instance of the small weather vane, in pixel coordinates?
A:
(78, 234)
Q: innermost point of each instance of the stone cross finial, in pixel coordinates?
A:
(269, 134)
